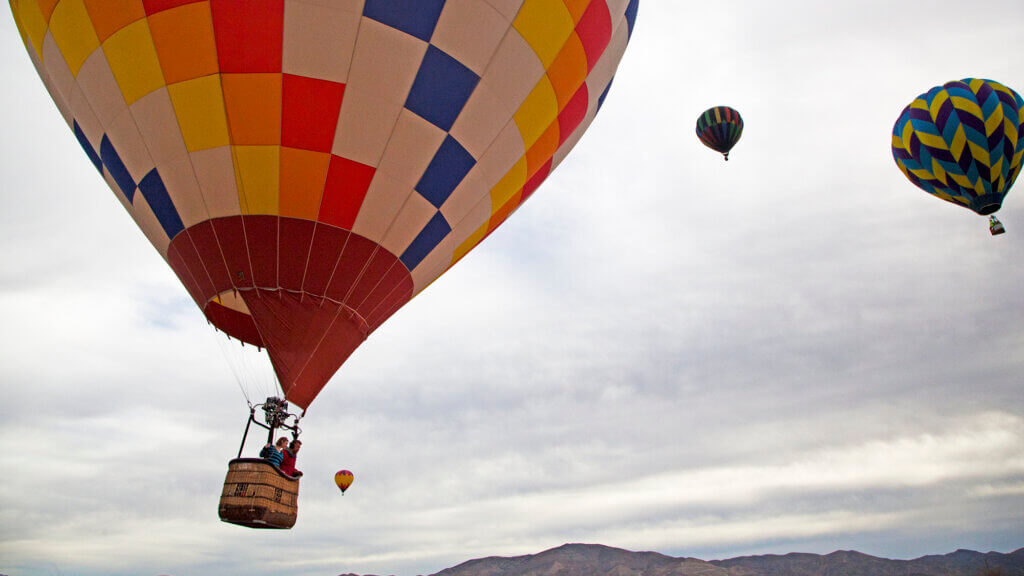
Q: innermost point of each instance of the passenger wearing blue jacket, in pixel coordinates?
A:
(275, 453)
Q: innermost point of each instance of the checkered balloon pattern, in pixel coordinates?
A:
(961, 142)
(307, 166)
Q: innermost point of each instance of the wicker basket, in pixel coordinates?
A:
(258, 495)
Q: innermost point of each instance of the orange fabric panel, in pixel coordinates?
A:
(253, 104)
(542, 150)
(184, 41)
(109, 16)
(569, 70)
(303, 174)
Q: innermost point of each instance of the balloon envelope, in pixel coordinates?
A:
(720, 128)
(306, 168)
(961, 142)
(343, 479)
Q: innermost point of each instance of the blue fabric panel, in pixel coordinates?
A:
(153, 190)
(600, 100)
(89, 150)
(427, 240)
(116, 168)
(449, 166)
(441, 88)
(414, 17)
(631, 16)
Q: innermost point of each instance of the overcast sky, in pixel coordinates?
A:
(796, 350)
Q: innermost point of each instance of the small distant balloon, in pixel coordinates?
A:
(720, 128)
(343, 479)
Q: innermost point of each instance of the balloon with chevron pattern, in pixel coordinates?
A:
(962, 142)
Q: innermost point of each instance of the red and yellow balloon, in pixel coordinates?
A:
(306, 167)
(343, 479)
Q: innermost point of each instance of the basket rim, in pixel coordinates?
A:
(266, 464)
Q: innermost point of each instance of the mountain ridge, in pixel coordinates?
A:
(576, 559)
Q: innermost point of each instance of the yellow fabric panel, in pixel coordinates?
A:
(257, 173)
(960, 179)
(502, 214)
(932, 140)
(999, 184)
(132, 58)
(199, 105)
(980, 154)
(31, 23)
(969, 106)
(545, 25)
(73, 32)
(938, 172)
(470, 242)
(537, 112)
(958, 143)
(1010, 129)
(510, 185)
(940, 99)
(993, 121)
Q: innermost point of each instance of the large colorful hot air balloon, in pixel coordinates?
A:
(961, 142)
(307, 167)
(720, 128)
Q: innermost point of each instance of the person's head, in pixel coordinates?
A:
(295, 445)
(281, 443)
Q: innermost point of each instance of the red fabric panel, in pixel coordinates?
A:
(391, 304)
(309, 115)
(231, 235)
(294, 240)
(154, 6)
(535, 181)
(595, 31)
(573, 113)
(308, 340)
(205, 242)
(261, 234)
(184, 247)
(328, 242)
(388, 285)
(184, 274)
(357, 253)
(379, 266)
(249, 33)
(347, 183)
(235, 323)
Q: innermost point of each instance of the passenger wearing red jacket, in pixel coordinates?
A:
(288, 462)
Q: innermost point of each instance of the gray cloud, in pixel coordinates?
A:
(793, 351)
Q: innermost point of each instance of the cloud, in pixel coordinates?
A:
(794, 350)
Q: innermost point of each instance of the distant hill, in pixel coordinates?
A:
(597, 560)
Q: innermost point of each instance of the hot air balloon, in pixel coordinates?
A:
(720, 128)
(961, 142)
(306, 168)
(343, 479)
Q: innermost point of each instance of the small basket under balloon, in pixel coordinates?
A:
(258, 495)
